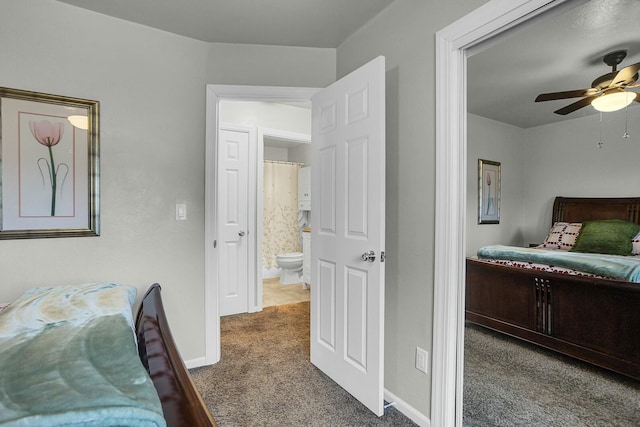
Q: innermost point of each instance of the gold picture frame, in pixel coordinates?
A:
(49, 165)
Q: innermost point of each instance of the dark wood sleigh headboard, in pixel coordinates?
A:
(580, 209)
(181, 402)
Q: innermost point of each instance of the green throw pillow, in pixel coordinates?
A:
(611, 237)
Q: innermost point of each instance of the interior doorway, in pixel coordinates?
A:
(279, 144)
(454, 44)
(215, 95)
(348, 125)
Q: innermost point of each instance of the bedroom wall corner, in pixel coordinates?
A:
(563, 160)
(491, 140)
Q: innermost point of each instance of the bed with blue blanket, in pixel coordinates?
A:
(73, 355)
(576, 293)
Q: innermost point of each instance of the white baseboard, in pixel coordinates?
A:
(195, 363)
(407, 410)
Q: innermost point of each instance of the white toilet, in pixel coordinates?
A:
(291, 268)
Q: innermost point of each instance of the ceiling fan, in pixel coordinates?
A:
(607, 92)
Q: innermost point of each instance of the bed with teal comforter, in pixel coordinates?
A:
(68, 357)
(613, 266)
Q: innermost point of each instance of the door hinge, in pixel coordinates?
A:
(382, 256)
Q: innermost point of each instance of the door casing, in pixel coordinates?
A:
(216, 93)
(454, 44)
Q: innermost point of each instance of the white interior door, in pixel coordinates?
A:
(233, 214)
(348, 187)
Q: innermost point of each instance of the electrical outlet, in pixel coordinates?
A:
(422, 360)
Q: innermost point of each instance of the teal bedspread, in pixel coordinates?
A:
(625, 268)
(68, 358)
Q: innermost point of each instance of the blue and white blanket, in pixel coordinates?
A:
(68, 358)
(625, 268)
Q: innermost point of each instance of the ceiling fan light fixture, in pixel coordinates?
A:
(613, 100)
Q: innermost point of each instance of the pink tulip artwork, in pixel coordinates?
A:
(489, 198)
(49, 135)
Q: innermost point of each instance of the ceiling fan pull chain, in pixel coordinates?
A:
(625, 135)
(600, 143)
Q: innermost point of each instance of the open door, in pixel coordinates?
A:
(348, 233)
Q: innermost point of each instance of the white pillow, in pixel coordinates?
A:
(636, 245)
(563, 235)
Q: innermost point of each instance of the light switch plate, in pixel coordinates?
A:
(181, 212)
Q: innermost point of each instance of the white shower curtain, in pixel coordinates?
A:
(280, 230)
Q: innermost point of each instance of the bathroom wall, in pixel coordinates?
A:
(276, 153)
(301, 154)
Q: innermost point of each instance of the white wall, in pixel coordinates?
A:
(276, 153)
(404, 33)
(271, 115)
(562, 159)
(301, 154)
(559, 159)
(499, 142)
(264, 65)
(151, 86)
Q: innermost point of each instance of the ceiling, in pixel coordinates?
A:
(554, 54)
(559, 53)
(308, 23)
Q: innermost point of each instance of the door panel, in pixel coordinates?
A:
(348, 178)
(357, 173)
(326, 299)
(356, 301)
(327, 167)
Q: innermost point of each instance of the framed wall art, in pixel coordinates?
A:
(49, 180)
(488, 192)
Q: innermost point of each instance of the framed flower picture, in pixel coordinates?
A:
(49, 181)
(488, 192)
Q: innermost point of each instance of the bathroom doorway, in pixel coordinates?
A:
(281, 146)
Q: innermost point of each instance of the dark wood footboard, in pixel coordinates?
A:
(594, 320)
(182, 404)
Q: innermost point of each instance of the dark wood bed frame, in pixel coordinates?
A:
(182, 404)
(591, 319)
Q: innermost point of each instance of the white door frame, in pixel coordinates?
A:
(215, 93)
(454, 44)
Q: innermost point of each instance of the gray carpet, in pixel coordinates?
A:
(265, 377)
(511, 383)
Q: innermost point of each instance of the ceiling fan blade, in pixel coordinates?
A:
(575, 106)
(564, 95)
(626, 75)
